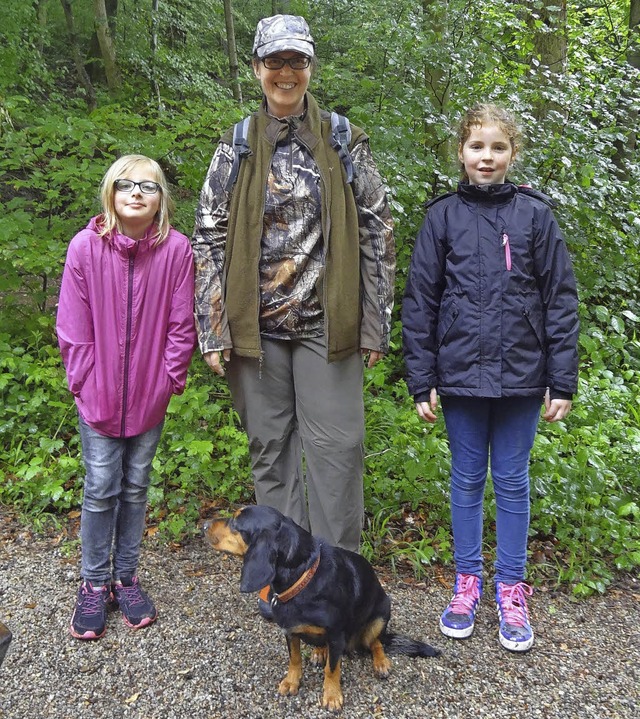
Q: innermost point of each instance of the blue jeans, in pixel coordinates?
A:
(503, 429)
(115, 501)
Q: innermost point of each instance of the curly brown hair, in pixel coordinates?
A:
(488, 114)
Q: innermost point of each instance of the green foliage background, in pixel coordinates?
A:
(404, 71)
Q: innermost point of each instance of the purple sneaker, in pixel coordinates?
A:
(136, 607)
(515, 632)
(458, 618)
(89, 620)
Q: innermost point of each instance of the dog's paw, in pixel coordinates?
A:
(289, 686)
(381, 663)
(319, 656)
(382, 666)
(332, 699)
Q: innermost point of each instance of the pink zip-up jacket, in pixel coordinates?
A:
(126, 327)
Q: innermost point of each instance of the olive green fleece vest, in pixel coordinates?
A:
(339, 286)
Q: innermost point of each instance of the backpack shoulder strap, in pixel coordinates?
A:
(240, 149)
(340, 140)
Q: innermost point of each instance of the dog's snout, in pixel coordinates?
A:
(207, 533)
(206, 526)
(222, 536)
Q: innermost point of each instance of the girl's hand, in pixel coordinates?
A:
(213, 360)
(427, 410)
(555, 409)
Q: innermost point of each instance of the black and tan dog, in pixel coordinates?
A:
(327, 597)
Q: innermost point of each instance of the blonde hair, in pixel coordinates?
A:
(109, 220)
(484, 114)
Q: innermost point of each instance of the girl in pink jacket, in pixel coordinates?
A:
(126, 332)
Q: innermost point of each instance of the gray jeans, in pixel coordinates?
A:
(300, 412)
(115, 501)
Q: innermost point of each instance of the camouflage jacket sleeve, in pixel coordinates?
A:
(377, 251)
(208, 242)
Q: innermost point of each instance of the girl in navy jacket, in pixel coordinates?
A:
(490, 324)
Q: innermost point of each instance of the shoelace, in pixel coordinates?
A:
(93, 602)
(466, 595)
(513, 603)
(132, 594)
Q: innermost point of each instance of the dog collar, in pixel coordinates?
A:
(293, 590)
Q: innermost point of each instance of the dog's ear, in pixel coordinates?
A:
(289, 539)
(259, 566)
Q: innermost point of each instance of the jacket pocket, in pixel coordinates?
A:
(533, 316)
(97, 403)
(448, 315)
(77, 388)
(174, 387)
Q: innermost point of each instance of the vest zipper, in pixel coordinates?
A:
(266, 180)
(290, 141)
(326, 231)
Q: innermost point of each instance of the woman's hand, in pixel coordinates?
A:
(374, 356)
(213, 359)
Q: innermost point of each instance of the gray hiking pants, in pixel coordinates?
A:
(300, 406)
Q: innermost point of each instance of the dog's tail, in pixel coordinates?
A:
(401, 645)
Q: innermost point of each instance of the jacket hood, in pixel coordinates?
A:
(494, 194)
(121, 242)
(500, 193)
(487, 193)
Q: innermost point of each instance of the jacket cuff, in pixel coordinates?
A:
(559, 394)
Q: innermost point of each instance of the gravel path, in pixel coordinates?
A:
(211, 656)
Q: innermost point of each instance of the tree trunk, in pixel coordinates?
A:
(438, 85)
(628, 111)
(550, 54)
(176, 35)
(78, 59)
(633, 54)
(41, 13)
(95, 65)
(233, 53)
(101, 20)
(155, 88)
(551, 43)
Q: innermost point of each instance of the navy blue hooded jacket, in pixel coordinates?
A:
(490, 308)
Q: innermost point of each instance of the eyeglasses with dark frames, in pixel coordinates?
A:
(147, 187)
(299, 62)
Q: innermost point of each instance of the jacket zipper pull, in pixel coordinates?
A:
(507, 250)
